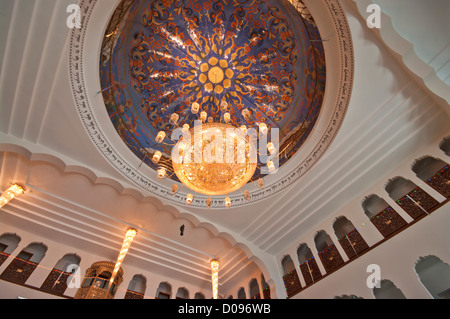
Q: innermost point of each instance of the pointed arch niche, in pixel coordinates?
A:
(387, 290)
(290, 276)
(410, 197)
(199, 295)
(350, 239)
(241, 293)
(8, 243)
(308, 264)
(434, 172)
(164, 291)
(382, 215)
(56, 281)
(136, 287)
(254, 289)
(182, 293)
(266, 287)
(434, 275)
(445, 145)
(327, 251)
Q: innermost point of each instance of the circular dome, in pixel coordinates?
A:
(307, 117)
(261, 58)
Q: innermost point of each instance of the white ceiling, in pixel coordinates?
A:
(78, 197)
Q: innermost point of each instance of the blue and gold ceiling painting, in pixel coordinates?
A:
(260, 56)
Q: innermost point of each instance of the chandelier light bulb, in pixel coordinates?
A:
(156, 157)
(189, 199)
(270, 166)
(243, 128)
(161, 173)
(224, 105)
(174, 118)
(186, 127)
(209, 202)
(246, 194)
(260, 182)
(227, 117)
(195, 107)
(227, 202)
(160, 137)
(174, 188)
(203, 116)
(263, 128)
(246, 114)
(271, 148)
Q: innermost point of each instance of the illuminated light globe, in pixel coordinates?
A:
(217, 159)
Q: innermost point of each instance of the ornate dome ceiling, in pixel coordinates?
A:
(262, 57)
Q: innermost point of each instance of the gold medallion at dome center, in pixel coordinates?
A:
(215, 75)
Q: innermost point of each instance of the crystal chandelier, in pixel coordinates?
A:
(213, 157)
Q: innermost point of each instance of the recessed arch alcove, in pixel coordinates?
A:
(434, 172)
(382, 215)
(387, 290)
(327, 251)
(412, 198)
(164, 291)
(349, 237)
(434, 274)
(308, 264)
(444, 145)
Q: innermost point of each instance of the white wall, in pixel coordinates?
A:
(56, 251)
(396, 256)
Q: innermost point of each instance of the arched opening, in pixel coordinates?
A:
(266, 287)
(445, 145)
(434, 275)
(182, 293)
(164, 291)
(434, 172)
(382, 215)
(290, 277)
(387, 290)
(241, 293)
(347, 297)
(199, 295)
(410, 197)
(136, 287)
(308, 265)
(23, 265)
(327, 251)
(348, 236)
(56, 281)
(8, 243)
(254, 289)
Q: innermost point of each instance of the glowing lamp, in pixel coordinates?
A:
(156, 157)
(10, 193)
(160, 137)
(195, 107)
(161, 173)
(189, 199)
